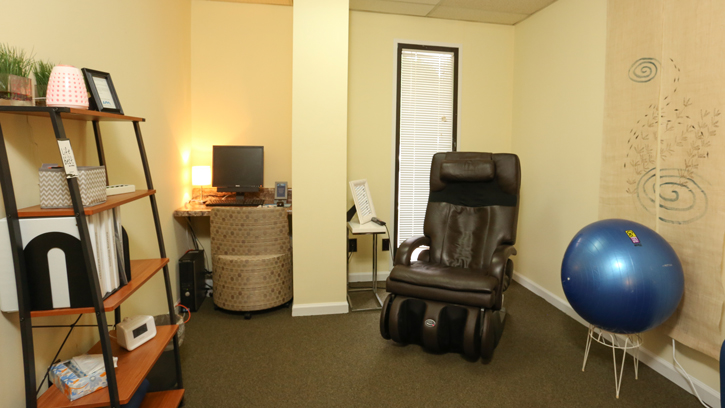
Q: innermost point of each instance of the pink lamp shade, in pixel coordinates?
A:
(66, 88)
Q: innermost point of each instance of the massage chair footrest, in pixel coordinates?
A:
(442, 327)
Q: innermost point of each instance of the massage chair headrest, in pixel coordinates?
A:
(470, 167)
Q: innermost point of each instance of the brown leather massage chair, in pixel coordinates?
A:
(451, 298)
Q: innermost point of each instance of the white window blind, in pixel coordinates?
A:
(426, 126)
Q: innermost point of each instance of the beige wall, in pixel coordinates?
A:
(542, 99)
(241, 82)
(319, 152)
(241, 87)
(486, 88)
(557, 132)
(145, 47)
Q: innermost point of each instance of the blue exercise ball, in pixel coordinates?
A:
(621, 276)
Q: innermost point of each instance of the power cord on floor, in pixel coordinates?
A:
(188, 312)
(193, 234)
(684, 373)
(390, 247)
(198, 244)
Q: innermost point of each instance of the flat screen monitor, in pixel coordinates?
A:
(237, 169)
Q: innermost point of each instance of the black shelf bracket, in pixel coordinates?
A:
(162, 250)
(21, 280)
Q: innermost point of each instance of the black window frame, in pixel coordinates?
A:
(408, 46)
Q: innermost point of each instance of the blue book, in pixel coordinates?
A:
(138, 397)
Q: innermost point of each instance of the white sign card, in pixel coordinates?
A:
(69, 161)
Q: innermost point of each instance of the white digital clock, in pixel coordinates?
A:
(135, 331)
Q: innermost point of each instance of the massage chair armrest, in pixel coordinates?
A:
(498, 264)
(405, 251)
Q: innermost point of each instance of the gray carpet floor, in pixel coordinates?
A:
(275, 360)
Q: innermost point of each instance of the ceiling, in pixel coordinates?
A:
(484, 11)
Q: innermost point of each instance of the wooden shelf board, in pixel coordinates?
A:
(84, 114)
(69, 113)
(141, 271)
(111, 202)
(163, 399)
(133, 367)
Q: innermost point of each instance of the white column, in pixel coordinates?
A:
(319, 155)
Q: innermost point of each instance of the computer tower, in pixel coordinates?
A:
(192, 279)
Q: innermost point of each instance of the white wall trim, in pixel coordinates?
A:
(655, 362)
(558, 302)
(368, 276)
(315, 309)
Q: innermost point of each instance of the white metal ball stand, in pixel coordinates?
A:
(624, 342)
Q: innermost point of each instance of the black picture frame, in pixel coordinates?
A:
(106, 100)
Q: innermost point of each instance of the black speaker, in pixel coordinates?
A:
(192, 279)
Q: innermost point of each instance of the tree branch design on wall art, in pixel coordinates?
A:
(683, 134)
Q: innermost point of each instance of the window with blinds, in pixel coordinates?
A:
(427, 115)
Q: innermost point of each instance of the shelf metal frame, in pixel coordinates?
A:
(20, 268)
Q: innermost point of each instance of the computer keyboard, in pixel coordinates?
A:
(248, 202)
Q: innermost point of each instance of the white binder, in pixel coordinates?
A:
(101, 228)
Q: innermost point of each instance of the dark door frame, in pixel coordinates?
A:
(401, 47)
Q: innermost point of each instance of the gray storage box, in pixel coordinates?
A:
(54, 191)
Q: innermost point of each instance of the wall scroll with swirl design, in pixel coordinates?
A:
(663, 153)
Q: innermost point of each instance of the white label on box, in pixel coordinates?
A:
(69, 161)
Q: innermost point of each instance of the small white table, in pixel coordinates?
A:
(373, 229)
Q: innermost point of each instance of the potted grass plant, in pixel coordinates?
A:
(16, 87)
(41, 71)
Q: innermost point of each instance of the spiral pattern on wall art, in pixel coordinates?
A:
(682, 199)
(644, 70)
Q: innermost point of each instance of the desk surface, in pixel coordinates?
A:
(367, 228)
(200, 210)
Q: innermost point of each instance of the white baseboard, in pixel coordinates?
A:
(368, 276)
(655, 362)
(556, 301)
(315, 309)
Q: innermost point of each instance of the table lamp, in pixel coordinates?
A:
(201, 176)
